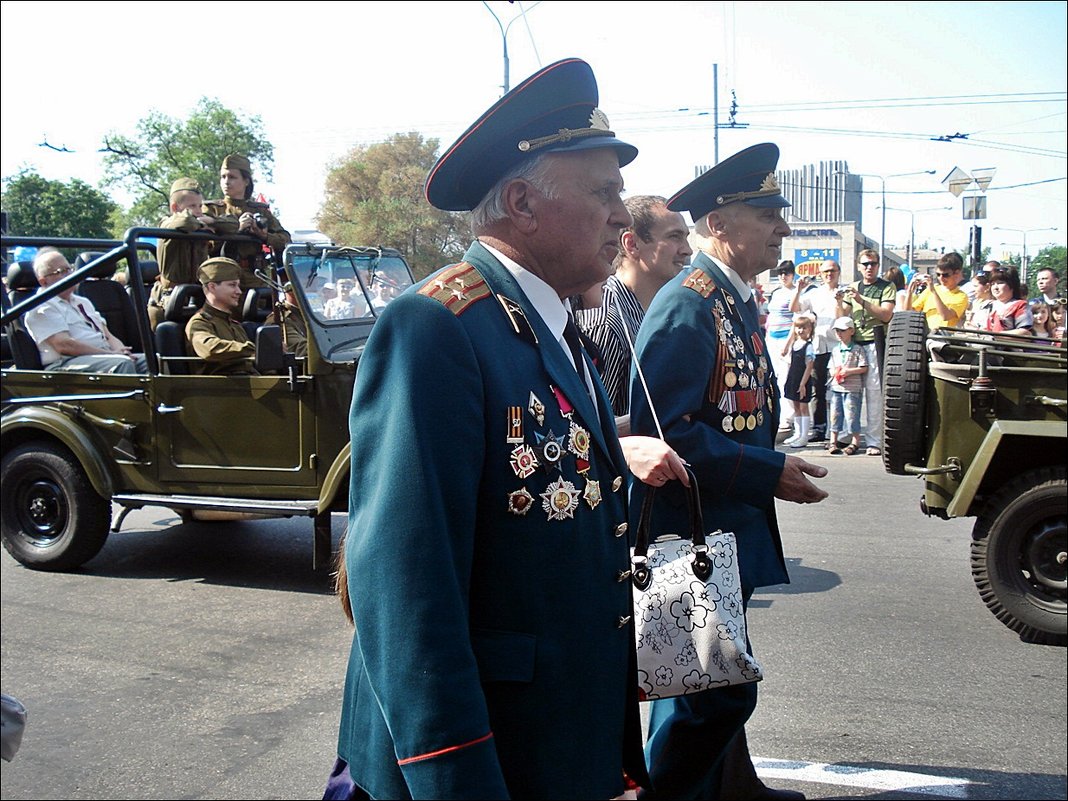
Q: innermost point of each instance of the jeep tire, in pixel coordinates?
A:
(904, 383)
(1018, 549)
(51, 518)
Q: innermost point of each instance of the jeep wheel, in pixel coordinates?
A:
(1018, 556)
(51, 518)
(904, 384)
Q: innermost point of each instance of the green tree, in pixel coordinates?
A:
(37, 206)
(165, 148)
(374, 196)
(1054, 257)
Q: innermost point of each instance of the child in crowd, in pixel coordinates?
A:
(847, 368)
(1043, 321)
(800, 384)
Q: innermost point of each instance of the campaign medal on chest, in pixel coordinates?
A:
(592, 493)
(536, 409)
(515, 425)
(549, 451)
(560, 500)
(523, 460)
(520, 501)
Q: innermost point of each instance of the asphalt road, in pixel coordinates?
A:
(206, 661)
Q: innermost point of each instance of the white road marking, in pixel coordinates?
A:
(869, 778)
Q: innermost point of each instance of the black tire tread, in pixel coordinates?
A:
(904, 388)
(1032, 481)
(89, 515)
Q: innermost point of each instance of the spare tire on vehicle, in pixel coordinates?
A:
(904, 384)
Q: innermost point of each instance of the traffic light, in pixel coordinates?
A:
(975, 244)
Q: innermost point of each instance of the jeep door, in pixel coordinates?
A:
(249, 435)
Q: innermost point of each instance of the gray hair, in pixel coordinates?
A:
(43, 257)
(535, 171)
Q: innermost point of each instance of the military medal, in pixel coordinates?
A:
(550, 450)
(560, 500)
(728, 423)
(592, 493)
(751, 422)
(523, 461)
(739, 422)
(515, 425)
(743, 379)
(536, 409)
(760, 418)
(520, 501)
(579, 441)
(617, 482)
(729, 378)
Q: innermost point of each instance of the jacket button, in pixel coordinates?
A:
(623, 575)
(623, 621)
(621, 529)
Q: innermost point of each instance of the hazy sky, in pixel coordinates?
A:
(867, 83)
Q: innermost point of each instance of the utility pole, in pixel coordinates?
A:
(715, 113)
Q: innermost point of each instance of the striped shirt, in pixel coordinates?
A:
(605, 326)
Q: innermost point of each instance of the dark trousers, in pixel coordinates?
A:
(690, 735)
(819, 374)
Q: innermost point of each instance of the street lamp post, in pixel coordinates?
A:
(504, 38)
(1024, 263)
(912, 226)
(882, 181)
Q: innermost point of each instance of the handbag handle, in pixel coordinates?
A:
(641, 575)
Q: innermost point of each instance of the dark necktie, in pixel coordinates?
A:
(88, 319)
(571, 337)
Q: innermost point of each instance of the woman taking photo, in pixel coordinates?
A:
(239, 213)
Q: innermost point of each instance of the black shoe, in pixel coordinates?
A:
(817, 436)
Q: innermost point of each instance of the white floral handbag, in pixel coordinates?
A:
(688, 616)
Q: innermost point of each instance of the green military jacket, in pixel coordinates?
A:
(249, 255)
(294, 330)
(221, 342)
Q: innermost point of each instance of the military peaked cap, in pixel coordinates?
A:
(553, 110)
(746, 177)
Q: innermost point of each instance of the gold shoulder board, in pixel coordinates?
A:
(456, 288)
(699, 283)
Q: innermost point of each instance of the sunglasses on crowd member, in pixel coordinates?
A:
(869, 264)
(58, 271)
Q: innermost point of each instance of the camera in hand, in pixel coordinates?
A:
(260, 220)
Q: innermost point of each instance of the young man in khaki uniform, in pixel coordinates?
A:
(211, 333)
(178, 259)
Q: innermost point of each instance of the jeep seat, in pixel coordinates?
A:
(182, 304)
(110, 299)
(256, 308)
(21, 281)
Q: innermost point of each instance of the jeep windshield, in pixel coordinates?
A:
(345, 288)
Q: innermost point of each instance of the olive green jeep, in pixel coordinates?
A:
(982, 419)
(76, 445)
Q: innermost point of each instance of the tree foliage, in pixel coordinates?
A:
(374, 196)
(37, 206)
(165, 148)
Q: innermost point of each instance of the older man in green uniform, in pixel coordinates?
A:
(211, 333)
(251, 217)
(487, 557)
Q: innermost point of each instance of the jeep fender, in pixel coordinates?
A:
(1001, 429)
(337, 478)
(58, 426)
